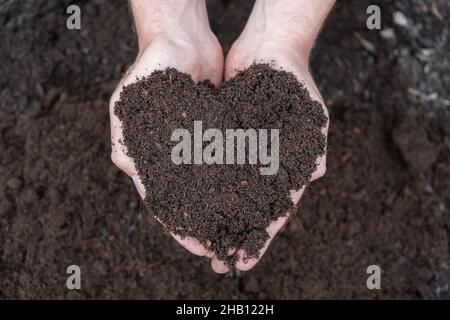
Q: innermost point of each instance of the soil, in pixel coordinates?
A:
(385, 198)
(223, 205)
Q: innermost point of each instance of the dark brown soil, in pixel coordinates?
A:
(63, 202)
(224, 206)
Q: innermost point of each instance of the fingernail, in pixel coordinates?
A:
(139, 186)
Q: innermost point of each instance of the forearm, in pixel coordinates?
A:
(158, 17)
(297, 21)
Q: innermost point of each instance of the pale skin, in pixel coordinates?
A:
(176, 33)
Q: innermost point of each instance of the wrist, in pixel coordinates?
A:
(163, 18)
(295, 24)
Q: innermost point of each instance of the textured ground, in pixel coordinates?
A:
(384, 200)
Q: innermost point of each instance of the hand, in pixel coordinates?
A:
(275, 34)
(176, 34)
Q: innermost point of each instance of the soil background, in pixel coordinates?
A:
(385, 198)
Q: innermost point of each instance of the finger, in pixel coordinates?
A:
(322, 160)
(190, 244)
(123, 162)
(118, 149)
(245, 264)
(296, 195)
(230, 68)
(193, 246)
(139, 186)
(218, 265)
(231, 72)
(321, 168)
(232, 251)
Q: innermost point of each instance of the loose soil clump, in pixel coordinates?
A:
(222, 205)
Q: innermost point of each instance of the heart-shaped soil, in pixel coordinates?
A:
(222, 205)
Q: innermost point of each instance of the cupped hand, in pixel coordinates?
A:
(199, 55)
(279, 54)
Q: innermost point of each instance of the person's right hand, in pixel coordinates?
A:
(184, 42)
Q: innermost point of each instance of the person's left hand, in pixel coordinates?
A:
(247, 50)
